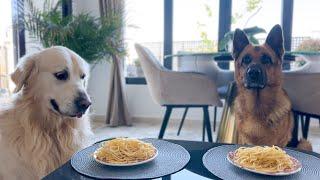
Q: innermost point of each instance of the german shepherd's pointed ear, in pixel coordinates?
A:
(275, 40)
(24, 71)
(240, 41)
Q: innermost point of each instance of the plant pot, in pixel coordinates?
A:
(139, 71)
(312, 64)
(131, 70)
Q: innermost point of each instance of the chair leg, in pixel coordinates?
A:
(215, 119)
(168, 177)
(165, 122)
(302, 121)
(294, 139)
(306, 127)
(203, 129)
(206, 119)
(182, 121)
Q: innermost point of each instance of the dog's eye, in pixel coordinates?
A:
(265, 59)
(246, 60)
(62, 75)
(82, 76)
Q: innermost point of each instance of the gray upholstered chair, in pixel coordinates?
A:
(303, 89)
(173, 89)
(204, 63)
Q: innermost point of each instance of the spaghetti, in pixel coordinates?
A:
(125, 151)
(265, 159)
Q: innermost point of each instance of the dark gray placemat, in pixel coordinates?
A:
(171, 158)
(215, 160)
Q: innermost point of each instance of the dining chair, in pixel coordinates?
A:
(173, 89)
(204, 63)
(303, 89)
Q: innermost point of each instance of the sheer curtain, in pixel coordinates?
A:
(117, 109)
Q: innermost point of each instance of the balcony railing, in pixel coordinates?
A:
(202, 46)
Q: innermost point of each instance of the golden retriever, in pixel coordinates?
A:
(45, 122)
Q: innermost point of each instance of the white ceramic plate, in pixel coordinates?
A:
(121, 165)
(296, 168)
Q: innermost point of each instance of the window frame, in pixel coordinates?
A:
(19, 39)
(225, 13)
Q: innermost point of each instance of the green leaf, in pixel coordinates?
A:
(253, 4)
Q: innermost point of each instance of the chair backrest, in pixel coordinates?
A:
(304, 91)
(152, 71)
(204, 63)
(197, 62)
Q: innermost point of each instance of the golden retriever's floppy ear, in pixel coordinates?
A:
(23, 71)
(240, 41)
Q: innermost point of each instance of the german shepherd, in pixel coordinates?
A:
(262, 107)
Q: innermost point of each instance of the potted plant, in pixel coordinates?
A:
(226, 42)
(92, 38)
(139, 71)
(308, 53)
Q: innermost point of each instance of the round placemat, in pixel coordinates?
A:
(171, 158)
(215, 160)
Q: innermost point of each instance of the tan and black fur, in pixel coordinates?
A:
(262, 107)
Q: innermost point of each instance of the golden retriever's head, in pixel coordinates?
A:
(55, 78)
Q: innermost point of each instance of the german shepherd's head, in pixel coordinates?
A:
(258, 67)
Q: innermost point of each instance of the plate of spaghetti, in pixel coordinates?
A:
(264, 160)
(125, 152)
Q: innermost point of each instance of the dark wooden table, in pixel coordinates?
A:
(195, 148)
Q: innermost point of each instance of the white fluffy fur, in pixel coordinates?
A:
(35, 140)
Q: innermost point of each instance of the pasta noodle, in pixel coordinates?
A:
(125, 151)
(265, 159)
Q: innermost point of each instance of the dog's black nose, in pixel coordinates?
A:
(255, 77)
(82, 102)
(254, 73)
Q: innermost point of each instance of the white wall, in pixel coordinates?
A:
(87, 6)
(98, 88)
(139, 99)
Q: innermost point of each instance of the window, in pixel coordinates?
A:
(305, 25)
(262, 13)
(144, 19)
(195, 27)
(196, 24)
(6, 48)
(251, 13)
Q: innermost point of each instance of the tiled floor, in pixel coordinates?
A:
(192, 130)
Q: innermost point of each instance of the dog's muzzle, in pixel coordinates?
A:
(82, 103)
(255, 77)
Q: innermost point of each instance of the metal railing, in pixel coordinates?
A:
(202, 46)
